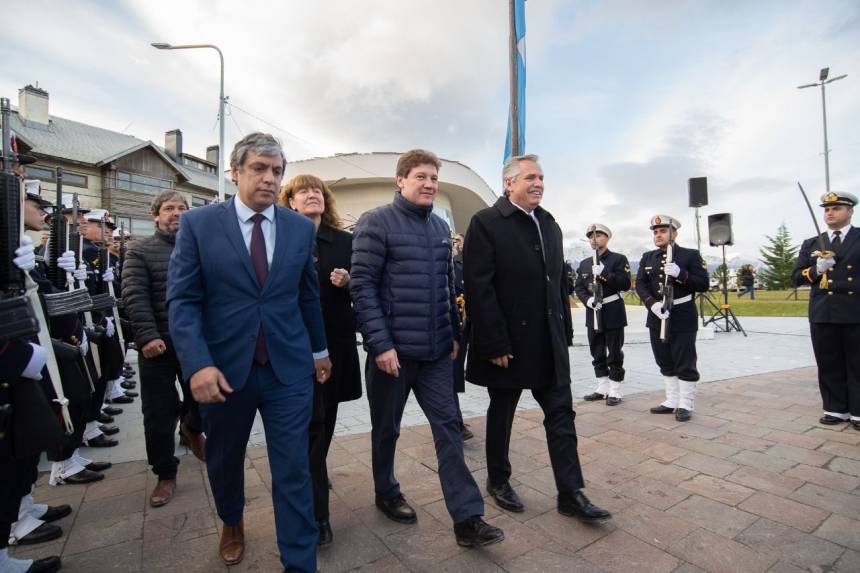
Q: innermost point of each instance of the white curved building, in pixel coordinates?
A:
(362, 181)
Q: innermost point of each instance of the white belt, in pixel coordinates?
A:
(682, 300)
(610, 298)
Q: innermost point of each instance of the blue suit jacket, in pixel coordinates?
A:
(215, 302)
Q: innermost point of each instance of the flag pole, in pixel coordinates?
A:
(515, 104)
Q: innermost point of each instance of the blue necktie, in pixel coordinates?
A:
(261, 268)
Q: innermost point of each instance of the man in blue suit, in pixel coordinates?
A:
(244, 312)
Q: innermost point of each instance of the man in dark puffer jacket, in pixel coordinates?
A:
(402, 287)
(144, 287)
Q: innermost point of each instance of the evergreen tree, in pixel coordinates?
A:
(779, 257)
(721, 273)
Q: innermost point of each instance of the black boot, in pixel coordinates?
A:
(396, 509)
(579, 506)
(475, 532)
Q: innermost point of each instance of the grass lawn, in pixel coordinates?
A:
(766, 303)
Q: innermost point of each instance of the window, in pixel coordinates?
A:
(199, 201)
(37, 172)
(74, 179)
(137, 227)
(141, 183)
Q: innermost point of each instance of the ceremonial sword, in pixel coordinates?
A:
(823, 252)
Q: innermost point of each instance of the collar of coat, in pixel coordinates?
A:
(506, 208)
(325, 233)
(410, 207)
(166, 236)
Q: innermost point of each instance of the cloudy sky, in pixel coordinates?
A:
(626, 99)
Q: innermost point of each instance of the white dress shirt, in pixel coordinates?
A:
(533, 217)
(843, 232)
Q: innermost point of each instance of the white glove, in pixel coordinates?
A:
(25, 258)
(672, 270)
(824, 265)
(107, 276)
(110, 329)
(33, 371)
(657, 309)
(85, 344)
(66, 261)
(597, 269)
(81, 273)
(590, 304)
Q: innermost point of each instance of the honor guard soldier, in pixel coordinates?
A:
(829, 264)
(667, 280)
(600, 281)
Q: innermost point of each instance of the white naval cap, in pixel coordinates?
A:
(68, 204)
(598, 227)
(97, 215)
(664, 221)
(838, 198)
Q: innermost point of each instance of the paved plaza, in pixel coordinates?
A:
(753, 483)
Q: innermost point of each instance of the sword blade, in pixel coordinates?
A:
(821, 244)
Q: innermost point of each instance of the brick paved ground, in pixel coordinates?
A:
(752, 484)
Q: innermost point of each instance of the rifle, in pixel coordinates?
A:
(596, 288)
(13, 201)
(104, 263)
(668, 292)
(104, 300)
(77, 242)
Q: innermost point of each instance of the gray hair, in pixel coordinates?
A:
(511, 168)
(163, 197)
(259, 143)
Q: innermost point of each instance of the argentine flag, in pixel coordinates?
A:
(520, 31)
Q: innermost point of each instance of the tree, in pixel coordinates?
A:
(779, 257)
(721, 273)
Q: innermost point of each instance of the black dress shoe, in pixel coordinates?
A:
(128, 385)
(109, 430)
(84, 476)
(466, 433)
(661, 409)
(683, 415)
(103, 418)
(594, 396)
(855, 424)
(829, 420)
(579, 506)
(396, 509)
(506, 498)
(56, 512)
(101, 441)
(131, 394)
(98, 466)
(613, 401)
(121, 400)
(43, 533)
(474, 532)
(326, 535)
(46, 565)
(112, 411)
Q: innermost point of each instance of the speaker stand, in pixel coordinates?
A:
(723, 318)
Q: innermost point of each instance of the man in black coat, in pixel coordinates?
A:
(834, 308)
(612, 273)
(145, 289)
(519, 315)
(687, 273)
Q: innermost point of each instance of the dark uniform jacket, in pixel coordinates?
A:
(144, 286)
(615, 279)
(517, 301)
(403, 281)
(692, 279)
(334, 250)
(840, 301)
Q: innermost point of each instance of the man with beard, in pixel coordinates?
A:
(144, 287)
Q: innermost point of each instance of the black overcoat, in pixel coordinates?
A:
(517, 300)
(334, 250)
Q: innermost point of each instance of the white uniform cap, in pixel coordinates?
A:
(598, 227)
(664, 221)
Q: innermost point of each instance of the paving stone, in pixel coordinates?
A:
(388, 564)
(606, 474)
(845, 466)
(841, 530)
(652, 492)
(716, 554)
(198, 555)
(846, 437)
(568, 532)
(423, 545)
(709, 447)
(792, 439)
(849, 562)
(543, 560)
(621, 552)
(706, 464)
(827, 499)
(745, 442)
(714, 516)
(104, 532)
(759, 460)
(824, 478)
(764, 480)
(354, 546)
(717, 489)
(786, 543)
(664, 452)
(125, 557)
(652, 526)
(841, 450)
(785, 511)
(665, 472)
(800, 455)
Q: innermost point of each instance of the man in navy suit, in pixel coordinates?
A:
(244, 313)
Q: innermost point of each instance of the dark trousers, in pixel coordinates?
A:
(16, 480)
(747, 289)
(433, 386)
(162, 408)
(607, 356)
(97, 397)
(558, 421)
(76, 388)
(677, 357)
(286, 412)
(320, 434)
(837, 353)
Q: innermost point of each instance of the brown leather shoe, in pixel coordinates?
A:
(196, 442)
(163, 492)
(232, 546)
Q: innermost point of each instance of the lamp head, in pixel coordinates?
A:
(160, 45)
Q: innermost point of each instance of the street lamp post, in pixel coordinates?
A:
(221, 101)
(823, 81)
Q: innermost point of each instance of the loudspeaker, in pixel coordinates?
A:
(720, 229)
(698, 187)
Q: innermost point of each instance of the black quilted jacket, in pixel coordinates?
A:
(144, 286)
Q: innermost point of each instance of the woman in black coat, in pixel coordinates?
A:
(310, 196)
